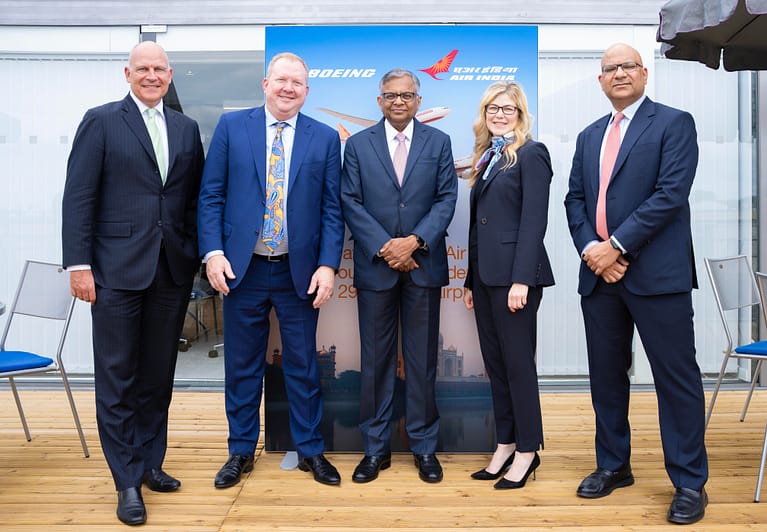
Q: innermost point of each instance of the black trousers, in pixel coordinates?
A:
(508, 341)
(135, 345)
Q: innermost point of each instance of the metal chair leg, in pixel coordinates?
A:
(751, 390)
(74, 412)
(761, 468)
(20, 409)
(716, 388)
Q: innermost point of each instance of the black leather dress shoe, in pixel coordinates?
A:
(369, 467)
(159, 480)
(429, 468)
(230, 473)
(324, 472)
(130, 507)
(602, 482)
(688, 506)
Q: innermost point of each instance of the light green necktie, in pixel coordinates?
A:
(154, 133)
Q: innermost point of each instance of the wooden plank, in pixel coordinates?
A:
(46, 484)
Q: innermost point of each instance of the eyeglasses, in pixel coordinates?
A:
(629, 67)
(493, 109)
(405, 96)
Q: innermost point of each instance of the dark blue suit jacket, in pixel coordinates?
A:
(116, 211)
(647, 199)
(233, 194)
(377, 209)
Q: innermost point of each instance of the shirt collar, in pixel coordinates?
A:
(271, 120)
(142, 107)
(391, 131)
(631, 110)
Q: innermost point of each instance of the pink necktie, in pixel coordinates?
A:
(608, 163)
(400, 157)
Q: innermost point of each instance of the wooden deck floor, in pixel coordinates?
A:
(47, 485)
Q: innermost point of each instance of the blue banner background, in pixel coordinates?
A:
(346, 64)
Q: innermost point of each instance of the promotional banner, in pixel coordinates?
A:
(454, 64)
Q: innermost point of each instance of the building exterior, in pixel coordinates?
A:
(58, 58)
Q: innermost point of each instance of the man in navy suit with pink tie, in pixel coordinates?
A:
(398, 189)
(629, 216)
(129, 238)
(271, 231)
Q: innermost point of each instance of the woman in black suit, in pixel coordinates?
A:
(508, 268)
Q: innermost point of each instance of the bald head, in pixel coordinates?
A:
(148, 72)
(623, 76)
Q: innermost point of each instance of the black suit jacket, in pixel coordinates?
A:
(511, 215)
(116, 211)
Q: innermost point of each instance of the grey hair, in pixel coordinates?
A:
(396, 73)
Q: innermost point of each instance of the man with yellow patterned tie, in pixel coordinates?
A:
(271, 230)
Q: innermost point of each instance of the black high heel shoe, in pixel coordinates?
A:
(505, 484)
(484, 474)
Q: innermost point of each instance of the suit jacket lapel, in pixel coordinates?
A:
(301, 142)
(137, 126)
(417, 143)
(255, 125)
(380, 146)
(174, 136)
(642, 119)
(592, 150)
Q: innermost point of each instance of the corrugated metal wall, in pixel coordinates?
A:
(172, 12)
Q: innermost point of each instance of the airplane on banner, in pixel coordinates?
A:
(426, 116)
(433, 114)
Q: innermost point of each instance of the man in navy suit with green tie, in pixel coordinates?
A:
(130, 243)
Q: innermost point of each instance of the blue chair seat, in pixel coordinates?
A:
(756, 348)
(19, 360)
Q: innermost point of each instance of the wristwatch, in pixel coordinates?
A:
(421, 243)
(614, 244)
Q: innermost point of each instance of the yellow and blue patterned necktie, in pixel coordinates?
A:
(273, 230)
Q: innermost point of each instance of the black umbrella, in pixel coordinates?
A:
(707, 30)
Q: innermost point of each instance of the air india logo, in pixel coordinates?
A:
(470, 72)
(441, 66)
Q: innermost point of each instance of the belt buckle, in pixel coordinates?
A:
(274, 258)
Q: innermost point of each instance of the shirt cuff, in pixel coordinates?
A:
(213, 253)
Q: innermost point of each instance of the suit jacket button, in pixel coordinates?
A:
(159, 223)
(401, 205)
(483, 221)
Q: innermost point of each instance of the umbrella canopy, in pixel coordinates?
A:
(707, 30)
